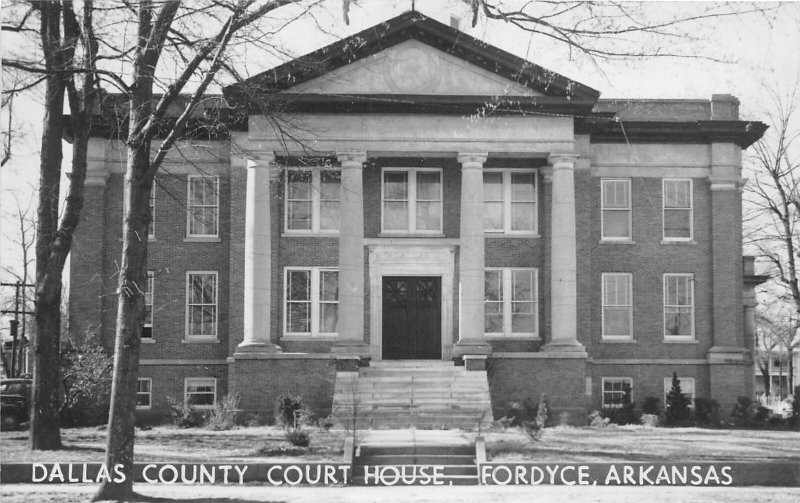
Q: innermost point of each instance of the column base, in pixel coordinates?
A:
(471, 347)
(251, 348)
(352, 348)
(564, 346)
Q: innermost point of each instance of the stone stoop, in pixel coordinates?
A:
(412, 394)
(399, 465)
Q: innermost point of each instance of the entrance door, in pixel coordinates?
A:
(412, 318)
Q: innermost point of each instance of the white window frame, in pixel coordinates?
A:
(149, 393)
(148, 300)
(683, 381)
(316, 200)
(603, 209)
(315, 303)
(189, 205)
(201, 380)
(604, 305)
(507, 201)
(202, 337)
(667, 336)
(411, 227)
(622, 380)
(690, 209)
(507, 302)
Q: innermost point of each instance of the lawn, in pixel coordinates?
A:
(563, 444)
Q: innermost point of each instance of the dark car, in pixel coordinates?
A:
(15, 397)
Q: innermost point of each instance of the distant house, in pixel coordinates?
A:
(424, 197)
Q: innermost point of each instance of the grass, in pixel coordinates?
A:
(264, 444)
(267, 444)
(637, 443)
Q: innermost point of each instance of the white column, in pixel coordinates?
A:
(350, 340)
(563, 269)
(257, 256)
(472, 339)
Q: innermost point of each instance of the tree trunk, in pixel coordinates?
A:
(44, 428)
(130, 307)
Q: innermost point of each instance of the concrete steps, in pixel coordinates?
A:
(421, 394)
(415, 465)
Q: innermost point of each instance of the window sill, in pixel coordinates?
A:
(608, 340)
(309, 338)
(678, 242)
(410, 235)
(202, 239)
(681, 340)
(512, 235)
(309, 234)
(501, 337)
(144, 408)
(150, 239)
(148, 341)
(200, 341)
(617, 242)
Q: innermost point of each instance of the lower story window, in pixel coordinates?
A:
(687, 388)
(615, 390)
(311, 301)
(201, 392)
(510, 302)
(144, 392)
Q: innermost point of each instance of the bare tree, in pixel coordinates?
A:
(772, 223)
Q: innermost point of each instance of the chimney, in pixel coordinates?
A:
(724, 107)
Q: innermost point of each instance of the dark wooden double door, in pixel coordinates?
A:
(412, 318)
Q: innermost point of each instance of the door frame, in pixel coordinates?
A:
(410, 260)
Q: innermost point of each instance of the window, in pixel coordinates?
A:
(679, 305)
(144, 392)
(617, 305)
(616, 209)
(201, 393)
(201, 305)
(312, 200)
(614, 390)
(147, 329)
(687, 388)
(202, 206)
(509, 200)
(412, 200)
(311, 299)
(510, 307)
(677, 210)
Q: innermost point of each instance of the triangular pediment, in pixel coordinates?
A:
(412, 54)
(413, 67)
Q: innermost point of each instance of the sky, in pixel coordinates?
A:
(758, 52)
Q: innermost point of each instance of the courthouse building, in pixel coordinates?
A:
(416, 199)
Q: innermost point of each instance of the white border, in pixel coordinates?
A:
(411, 224)
(691, 210)
(201, 338)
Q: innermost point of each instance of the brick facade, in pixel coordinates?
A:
(717, 357)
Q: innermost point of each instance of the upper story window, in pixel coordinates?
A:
(679, 306)
(616, 209)
(147, 329)
(510, 302)
(202, 207)
(677, 199)
(509, 200)
(311, 301)
(201, 305)
(617, 306)
(312, 200)
(412, 200)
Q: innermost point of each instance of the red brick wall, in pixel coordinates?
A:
(168, 382)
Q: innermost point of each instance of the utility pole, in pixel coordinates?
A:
(14, 325)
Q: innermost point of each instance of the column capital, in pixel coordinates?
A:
(472, 159)
(726, 183)
(260, 160)
(562, 160)
(352, 158)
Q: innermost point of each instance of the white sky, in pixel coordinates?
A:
(760, 52)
